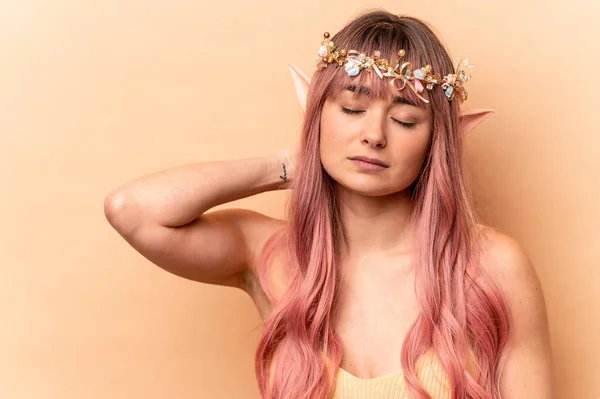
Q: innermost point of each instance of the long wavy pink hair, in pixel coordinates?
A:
(461, 308)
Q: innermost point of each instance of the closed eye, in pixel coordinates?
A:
(355, 112)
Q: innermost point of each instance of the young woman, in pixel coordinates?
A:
(381, 283)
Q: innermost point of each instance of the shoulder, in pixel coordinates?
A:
(504, 258)
(258, 229)
(527, 359)
(509, 265)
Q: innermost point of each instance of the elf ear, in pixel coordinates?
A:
(301, 81)
(473, 117)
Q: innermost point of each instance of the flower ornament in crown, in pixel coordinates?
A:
(417, 80)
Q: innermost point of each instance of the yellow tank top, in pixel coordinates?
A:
(429, 371)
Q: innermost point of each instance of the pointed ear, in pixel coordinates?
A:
(301, 82)
(471, 118)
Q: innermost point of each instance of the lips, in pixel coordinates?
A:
(371, 160)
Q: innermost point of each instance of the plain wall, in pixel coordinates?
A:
(94, 94)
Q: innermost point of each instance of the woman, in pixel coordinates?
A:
(381, 281)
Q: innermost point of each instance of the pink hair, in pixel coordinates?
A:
(298, 335)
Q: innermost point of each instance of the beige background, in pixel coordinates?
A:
(94, 94)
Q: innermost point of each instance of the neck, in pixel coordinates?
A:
(375, 225)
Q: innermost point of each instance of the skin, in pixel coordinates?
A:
(376, 291)
(377, 298)
(372, 202)
(377, 294)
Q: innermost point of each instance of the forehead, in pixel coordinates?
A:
(393, 96)
(370, 86)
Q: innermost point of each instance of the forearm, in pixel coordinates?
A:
(177, 196)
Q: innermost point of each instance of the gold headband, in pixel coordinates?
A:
(417, 80)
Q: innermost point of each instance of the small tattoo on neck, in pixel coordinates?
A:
(284, 177)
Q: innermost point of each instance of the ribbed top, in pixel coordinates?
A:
(429, 371)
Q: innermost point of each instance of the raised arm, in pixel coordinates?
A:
(164, 217)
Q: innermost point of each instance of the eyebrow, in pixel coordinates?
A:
(367, 91)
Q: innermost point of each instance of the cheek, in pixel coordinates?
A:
(331, 142)
(327, 149)
(415, 151)
(410, 154)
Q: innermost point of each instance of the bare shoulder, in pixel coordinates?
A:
(257, 229)
(506, 261)
(527, 370)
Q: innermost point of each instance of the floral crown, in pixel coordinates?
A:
(418, 80)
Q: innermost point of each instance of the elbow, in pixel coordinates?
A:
(114, 203)
(120, 213)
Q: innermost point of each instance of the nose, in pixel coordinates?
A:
(373, 132)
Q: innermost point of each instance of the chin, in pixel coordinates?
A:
(372, 184)
(371, 188)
